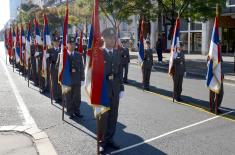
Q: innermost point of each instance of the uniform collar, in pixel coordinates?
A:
(107, 50)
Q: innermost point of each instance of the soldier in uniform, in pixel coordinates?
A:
(147, 64)
(216, 98)
(33, 64)
(179, 70)
(115, 88)
(73, 96)
(125, 62)
(54, 52)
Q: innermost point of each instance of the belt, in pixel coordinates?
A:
(110, 77)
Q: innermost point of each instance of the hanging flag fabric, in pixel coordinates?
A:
(27, 46)
(80, 49)
(214, 73)
(46, 44)
(76, 37)
(10, 45)
(64, 67)
(141, 43)
(96, 84)
(6, 41)
(17, 45)
(37, 39)
(22, 42)
(175, 44)
(14, 36)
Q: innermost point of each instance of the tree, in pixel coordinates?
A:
(200, 10)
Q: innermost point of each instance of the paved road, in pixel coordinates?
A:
(148, 123)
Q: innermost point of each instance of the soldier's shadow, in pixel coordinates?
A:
(125, 139)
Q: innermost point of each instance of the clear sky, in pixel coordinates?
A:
(4, 12)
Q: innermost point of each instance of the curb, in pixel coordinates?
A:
(188, 74)
(40, 138)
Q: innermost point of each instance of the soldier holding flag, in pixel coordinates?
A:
(54, 55)
(73, 96)
(115, 88)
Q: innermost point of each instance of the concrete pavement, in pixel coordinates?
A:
(14, 143)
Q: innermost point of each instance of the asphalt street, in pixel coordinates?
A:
(148, 123)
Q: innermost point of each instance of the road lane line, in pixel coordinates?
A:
(170, 132)
(229, 84)
(41, 139)
(28, 118)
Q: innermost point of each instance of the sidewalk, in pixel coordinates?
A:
(15, 143)
(195, 65)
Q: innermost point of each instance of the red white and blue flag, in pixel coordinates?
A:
(214, 72)
(14, 36)
(17, 45)
(95, 83)
(37, 39)
(5, 40)
(46, 44)
(10, 45)
(64, 67)
(27, 46)
(141, 43)
(80, 48)
(175, 44)
(22, 41)
(76, 37)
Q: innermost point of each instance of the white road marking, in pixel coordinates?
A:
(41, 139)
(229, 84)
(169, 133)
(28, 118)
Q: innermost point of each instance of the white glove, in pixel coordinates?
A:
(36, 54)
(121, 94)
(82, 83)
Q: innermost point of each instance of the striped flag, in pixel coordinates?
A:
(64, 67)
(76, 37)
(22, 41)
(37, 39)
(17, 45)
(175, 44)
(80, 49)
(27, 46)
(141, 44)
(10, 45)
(214, 73)
(5, 40)
(14, 36)
(96, 84)
(46, 44)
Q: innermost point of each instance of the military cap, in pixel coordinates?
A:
(109, 33)
(71, 38)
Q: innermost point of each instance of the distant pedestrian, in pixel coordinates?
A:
(159, 48)
(147, 65)
(125, 61)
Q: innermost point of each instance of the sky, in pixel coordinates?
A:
(4, 12)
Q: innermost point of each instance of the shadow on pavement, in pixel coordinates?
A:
(188, 100)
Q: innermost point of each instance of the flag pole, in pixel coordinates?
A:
(63, 104)
(98, 133)
(210, 100)
(216, 104)
(28, 71)
(51, 90)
